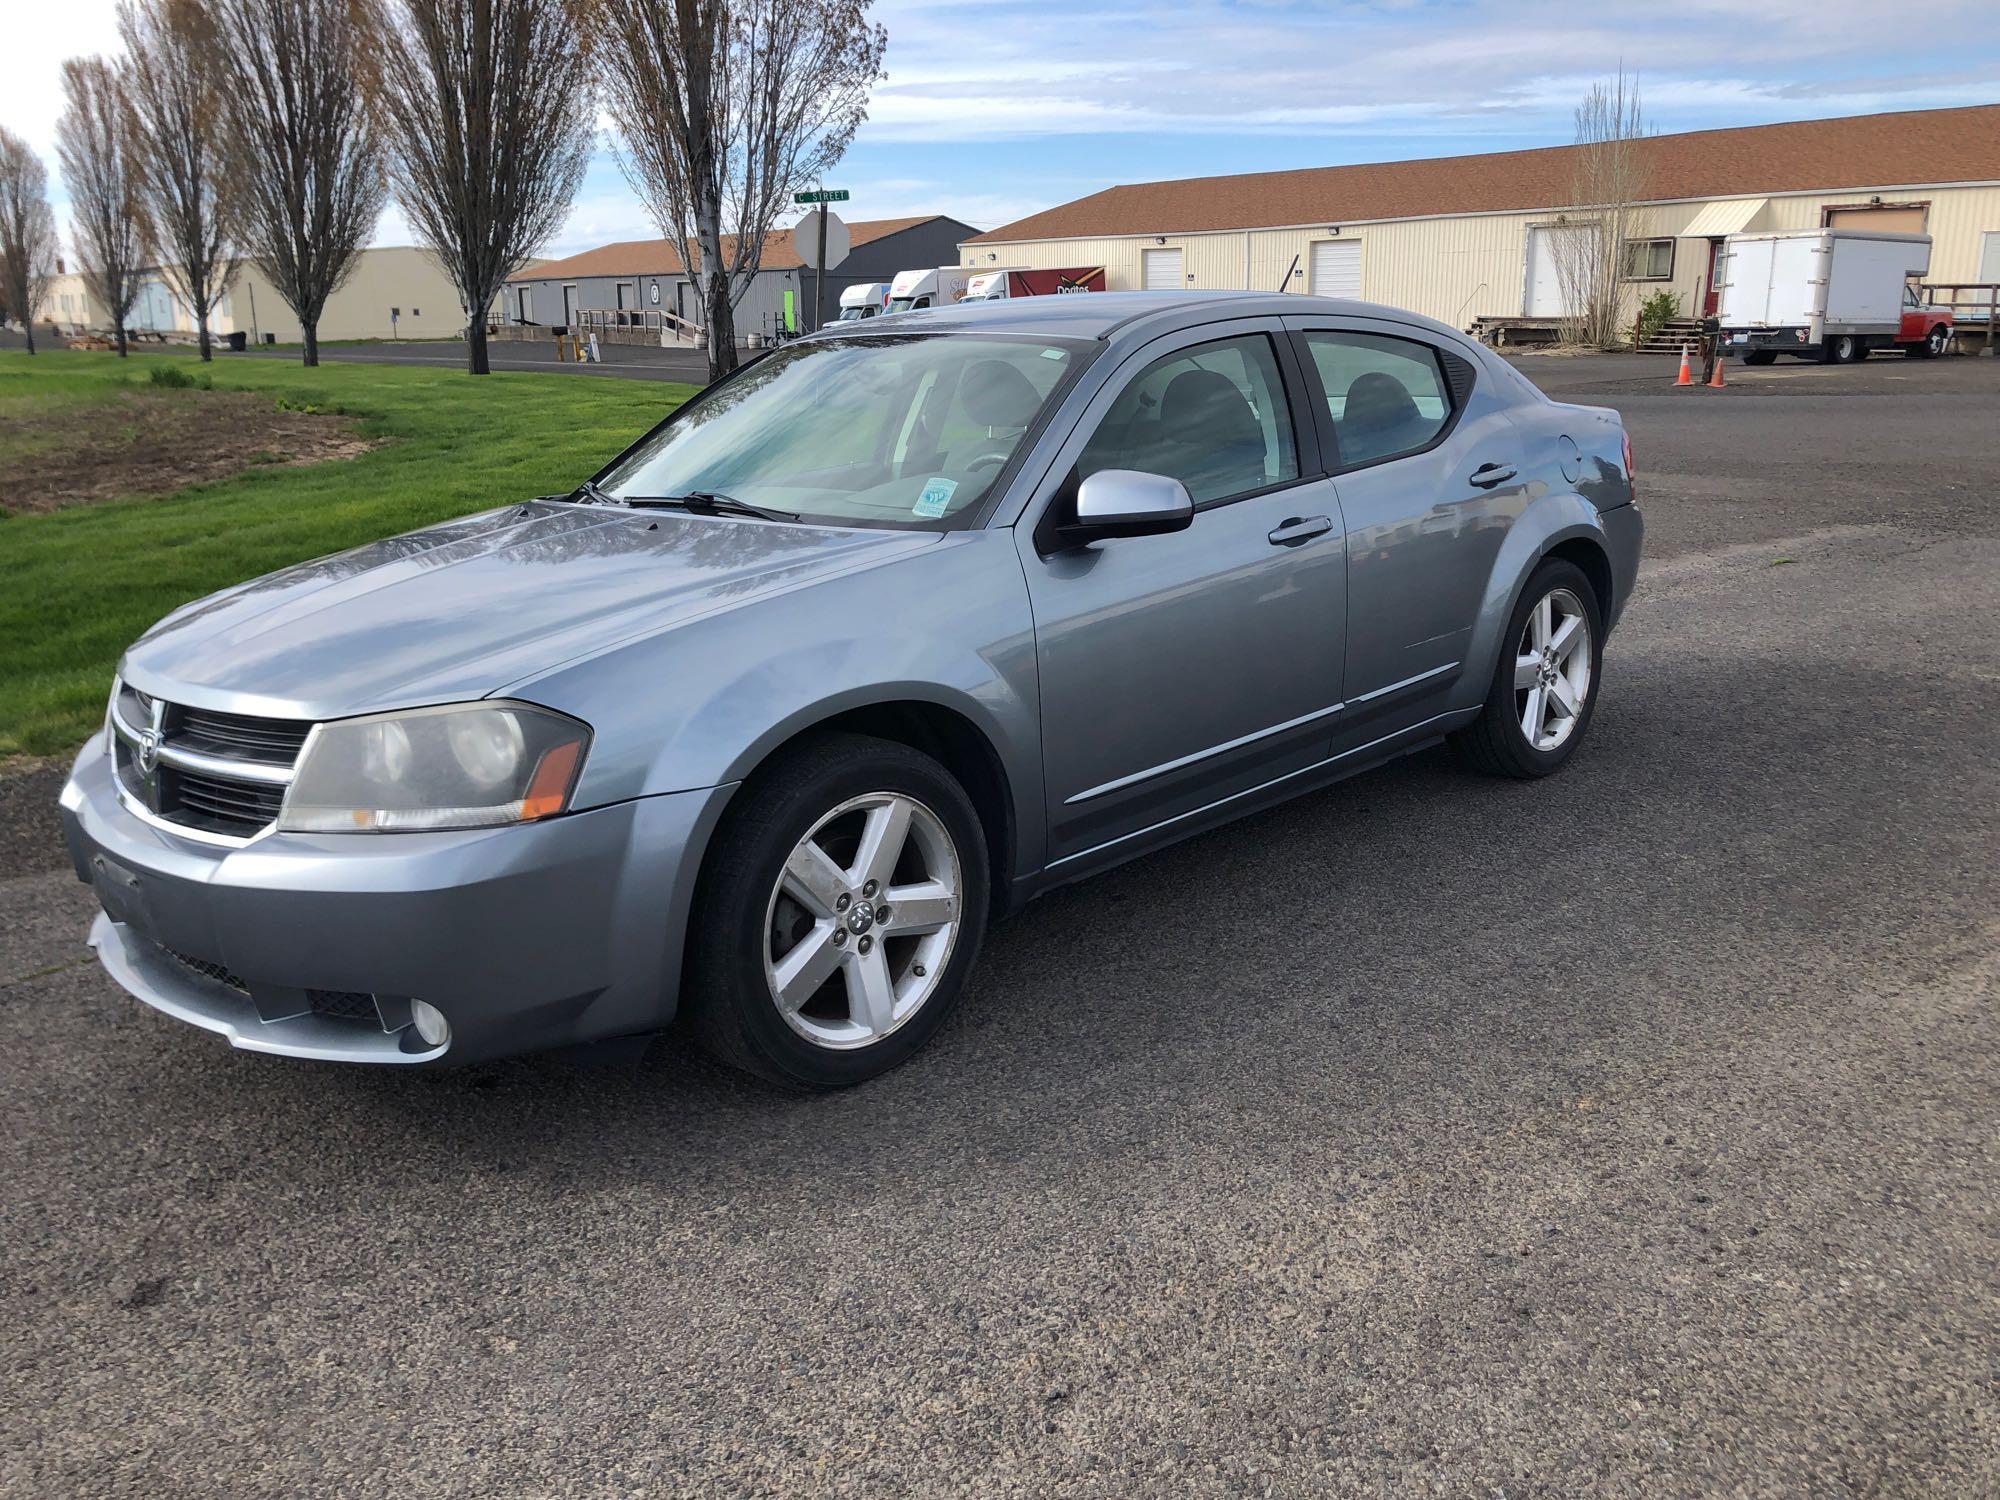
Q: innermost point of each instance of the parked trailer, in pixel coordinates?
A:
(992, 286)
(1827, 294)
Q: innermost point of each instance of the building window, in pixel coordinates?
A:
(1649, 260)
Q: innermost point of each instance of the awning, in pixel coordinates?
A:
(1726, 217)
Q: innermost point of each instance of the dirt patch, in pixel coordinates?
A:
(154, 442)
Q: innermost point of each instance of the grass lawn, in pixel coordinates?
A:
(79, 585)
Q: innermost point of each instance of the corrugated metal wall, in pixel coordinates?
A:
(1458, 269)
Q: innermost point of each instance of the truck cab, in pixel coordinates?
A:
(865, 299)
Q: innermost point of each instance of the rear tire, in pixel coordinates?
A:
(790, 973)
(1760, 357)
(1843, 349)
(1533, 665)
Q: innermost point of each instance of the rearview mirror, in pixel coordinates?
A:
(1125, 502)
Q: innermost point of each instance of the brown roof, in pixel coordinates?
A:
(657, 257)
(1933, 145)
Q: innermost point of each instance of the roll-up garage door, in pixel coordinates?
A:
(1161, 270)
(1336, 268)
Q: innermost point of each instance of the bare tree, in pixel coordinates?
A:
(175, 82)
(1607, 178)
(27, 231)
(301, 149)
(724, 109)
(485, 107)
(107, 216)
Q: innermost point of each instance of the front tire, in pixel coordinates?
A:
(1545, 684)
(1932, 346)
(842, 908)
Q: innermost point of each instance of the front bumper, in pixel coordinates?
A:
(534, 936)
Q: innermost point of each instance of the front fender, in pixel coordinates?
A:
(704, 703)
(1549, 520)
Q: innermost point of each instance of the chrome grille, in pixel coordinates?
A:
(215, 774)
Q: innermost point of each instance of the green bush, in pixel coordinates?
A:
(1656, 312)
(172, 377)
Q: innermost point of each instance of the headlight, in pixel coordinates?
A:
(471, 765)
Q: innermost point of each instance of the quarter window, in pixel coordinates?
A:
(1649, 260)
(1387, 396)
(1213, 417)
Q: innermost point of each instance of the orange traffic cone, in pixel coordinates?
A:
(1687, 373)
(1715, 381)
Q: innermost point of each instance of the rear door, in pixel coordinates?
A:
(1431, 472)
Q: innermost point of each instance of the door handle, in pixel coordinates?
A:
(1486, 476)
(1300, 529)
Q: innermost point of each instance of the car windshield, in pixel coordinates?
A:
(871, 430)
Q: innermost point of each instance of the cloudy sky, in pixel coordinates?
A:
(994, 109)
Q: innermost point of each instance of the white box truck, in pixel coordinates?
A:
(1826, 294)
(929, 288)
(865, 299)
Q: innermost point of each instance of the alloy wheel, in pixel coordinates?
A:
(1552, 663)
(860, 925)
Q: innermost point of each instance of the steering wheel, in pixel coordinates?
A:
(984, 459)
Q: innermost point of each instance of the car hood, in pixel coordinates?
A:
(461, 610)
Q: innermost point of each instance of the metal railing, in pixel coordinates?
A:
(1969, 302)
(651, 327)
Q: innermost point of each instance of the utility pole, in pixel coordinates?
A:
(819, 272)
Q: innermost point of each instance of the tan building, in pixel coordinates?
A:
(394, 292)
(1466, 237)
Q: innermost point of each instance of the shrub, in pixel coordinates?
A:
(172, 377)
(1656, 312)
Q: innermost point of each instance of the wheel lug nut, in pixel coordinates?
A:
(866, 943)
(918, 970)
(840, 901)
(868, 889)
(840, 937)
(881, 914)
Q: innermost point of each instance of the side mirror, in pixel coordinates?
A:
(1125, 502)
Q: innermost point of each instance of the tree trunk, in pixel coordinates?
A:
(721, 327)
(121, 340)
(29, 328)
(311, 331)
(207, 344)
(476, 362)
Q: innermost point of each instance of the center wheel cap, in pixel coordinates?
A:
(860, 917)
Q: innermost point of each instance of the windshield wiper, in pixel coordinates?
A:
(594, 494)
(708, 503)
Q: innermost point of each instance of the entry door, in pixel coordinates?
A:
(1161, 270)
(1989, 256)
(1711, 297)
(569, 308)
(1180, 670)
(1336, 268)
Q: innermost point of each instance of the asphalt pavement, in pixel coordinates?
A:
(1627, 1134)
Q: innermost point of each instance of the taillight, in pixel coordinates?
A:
(1628, 461)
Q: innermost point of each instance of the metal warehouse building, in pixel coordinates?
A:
(1463, 238)
(640, 277)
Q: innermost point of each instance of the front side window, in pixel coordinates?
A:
(876, 429)
(1213, 417)
(1387, 396)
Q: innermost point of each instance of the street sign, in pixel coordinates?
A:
(821, 195)
(809, 240)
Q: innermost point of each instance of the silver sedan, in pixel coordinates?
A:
(888, 633)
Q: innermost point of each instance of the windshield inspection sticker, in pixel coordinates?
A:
(936, 496)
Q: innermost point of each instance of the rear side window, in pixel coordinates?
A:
(1387, 396)
(1214, 417)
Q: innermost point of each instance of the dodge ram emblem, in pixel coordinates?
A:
(148, 750)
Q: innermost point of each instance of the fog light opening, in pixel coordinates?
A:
(430, 1023)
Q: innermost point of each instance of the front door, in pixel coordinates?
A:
(1180, 670)
(1711, 297)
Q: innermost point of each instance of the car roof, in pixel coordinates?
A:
(1101, 315)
